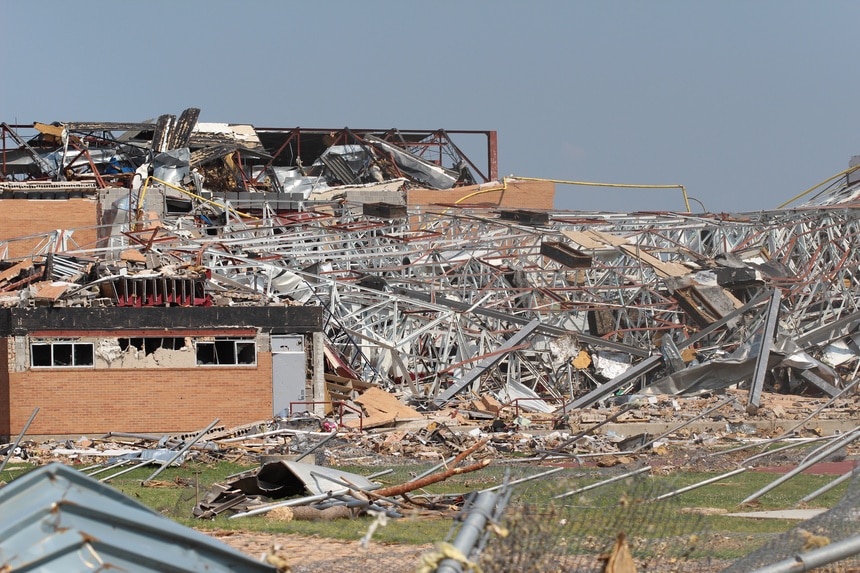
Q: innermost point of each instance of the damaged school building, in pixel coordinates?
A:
(155, 275)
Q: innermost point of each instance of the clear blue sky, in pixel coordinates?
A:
(746, 103)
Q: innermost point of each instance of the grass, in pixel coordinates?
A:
(181, 486)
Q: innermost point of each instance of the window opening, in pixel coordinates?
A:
(150, 344)
(61, 354)
(226, 352)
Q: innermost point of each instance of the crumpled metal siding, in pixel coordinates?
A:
(58, 519)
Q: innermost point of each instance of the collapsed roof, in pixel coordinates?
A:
(239, 157)
(553, 310)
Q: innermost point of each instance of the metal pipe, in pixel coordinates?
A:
(825, 488)
(183, 450)
(380, 474)
(314, 447)
(523, 480)
(698, 485)
(841, 443)
(604, 482)
(292, 502)
(816, 558)
(18, 440)
(126, 470)
(441, 464)
(338, 481)
(108, 468)
(355, 488)
(470, 531)
(817, 449)
(803, 442)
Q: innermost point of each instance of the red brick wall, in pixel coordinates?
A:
(94, 402)
(22, 217)
(4, 389)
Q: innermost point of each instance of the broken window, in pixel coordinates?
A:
(150, 344)
(227, 352)
(61, 354)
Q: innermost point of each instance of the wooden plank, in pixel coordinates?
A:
(345, 388)
(663, 269)
(591, 239)
(14, 271)
(53, 130)
(353, 382)
(50, 291)
(382, 408)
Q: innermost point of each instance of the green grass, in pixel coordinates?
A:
(183, 485)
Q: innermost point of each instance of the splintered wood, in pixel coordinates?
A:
(440, 476)
(381, 409)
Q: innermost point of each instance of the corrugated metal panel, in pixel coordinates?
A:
(57, 519)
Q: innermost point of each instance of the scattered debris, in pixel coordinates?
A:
(410, 322)
(441, 305)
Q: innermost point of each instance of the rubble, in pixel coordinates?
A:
(454, 318)
(425, 356)
(617, 429)
(516, 322)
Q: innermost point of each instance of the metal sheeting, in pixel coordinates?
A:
(57, 519)
(421, 170)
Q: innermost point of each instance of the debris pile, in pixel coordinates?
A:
(295, 163)
(321, 489)
(642, 426)
(447, 306)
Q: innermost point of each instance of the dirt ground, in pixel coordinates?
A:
(314, 554)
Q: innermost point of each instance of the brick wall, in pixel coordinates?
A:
(23, 217)
(94, 402)
(4, 390)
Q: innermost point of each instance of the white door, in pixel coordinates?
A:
(289, 365)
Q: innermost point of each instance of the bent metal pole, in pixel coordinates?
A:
(182, 450)
(11, 451)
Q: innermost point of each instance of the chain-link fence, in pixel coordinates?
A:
(613, 528)
(585, 532)
(838, 523)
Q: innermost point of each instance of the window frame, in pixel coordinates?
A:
(235, 352)
(75, 345)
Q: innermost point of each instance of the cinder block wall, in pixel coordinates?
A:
(95, 402)
(23, 217)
